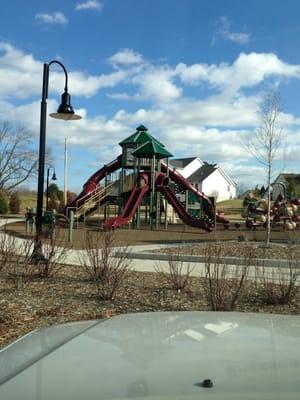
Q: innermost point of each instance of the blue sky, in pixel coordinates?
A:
(192, 71)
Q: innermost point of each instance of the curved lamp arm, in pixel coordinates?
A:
(65, 71)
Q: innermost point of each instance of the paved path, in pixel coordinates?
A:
(144, 261)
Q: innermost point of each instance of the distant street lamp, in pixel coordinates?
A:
(65, 111)
(47, 184)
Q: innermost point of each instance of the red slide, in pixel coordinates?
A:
(92, 183)
(186, 184)
(183, 215)
(134, 200)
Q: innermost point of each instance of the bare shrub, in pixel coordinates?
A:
(15, 202)
(278, 285)
(223, 283)
(6, 244)
(55, 251)
(178, 272)
(106, 268)
(16, 261)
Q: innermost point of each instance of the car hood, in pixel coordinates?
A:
(161, 355)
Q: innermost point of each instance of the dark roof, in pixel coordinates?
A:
(203, 172)
(152, 148)
(181, 162)
(290, 176)
(141, 136)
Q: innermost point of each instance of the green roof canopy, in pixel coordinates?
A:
(151, 148)
(141, 136)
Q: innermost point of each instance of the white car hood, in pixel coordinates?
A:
(162, 355)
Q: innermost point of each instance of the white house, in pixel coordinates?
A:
(210, 179)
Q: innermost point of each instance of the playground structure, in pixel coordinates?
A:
(284, 213)
(145, 188)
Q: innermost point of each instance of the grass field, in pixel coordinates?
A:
(230, 204)
(27, 200)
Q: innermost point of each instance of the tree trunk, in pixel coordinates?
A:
(269, 205)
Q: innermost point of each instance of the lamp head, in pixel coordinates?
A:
(65, 110)
(54, 176)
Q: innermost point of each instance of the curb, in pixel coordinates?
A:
(269, 263)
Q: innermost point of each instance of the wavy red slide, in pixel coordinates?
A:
(182, 213)
(186, 184)
(134, 200)
(92, 183)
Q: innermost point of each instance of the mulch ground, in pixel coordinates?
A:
(273, 251)
(71, 296)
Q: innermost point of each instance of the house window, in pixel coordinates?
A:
(228, 188)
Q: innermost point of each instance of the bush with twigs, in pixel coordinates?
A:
(223, 284)
(55, 252)
(105, 262)
(278, 285)
(15, 261)
(178, 272)
(17, 266)
(3, 202)
(14, 203)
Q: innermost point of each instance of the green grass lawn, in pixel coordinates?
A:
(28, 200)
(228, 204)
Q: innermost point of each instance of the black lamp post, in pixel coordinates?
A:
(65, 111)
(47, 184)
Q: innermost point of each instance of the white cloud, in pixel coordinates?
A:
(119, 96)
(248, 70)
(51, 18)
(89, 5)
(225, 33)
(84, 85)
(153, 82)
(156, 84)
(126, 57)
(21, 76)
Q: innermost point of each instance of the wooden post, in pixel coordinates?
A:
(186, 204)
(152, 196)
(121, 184)
(71, 224)
(157, 220)
(166, 201)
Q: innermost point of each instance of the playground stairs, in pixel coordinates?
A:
(172, 216)
(128, 184)
(93, 200)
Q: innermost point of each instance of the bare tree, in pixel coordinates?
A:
(266, 140)
(18, 161)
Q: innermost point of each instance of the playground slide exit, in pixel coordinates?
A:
(133, 202)
(182, 213)
(185, 184)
